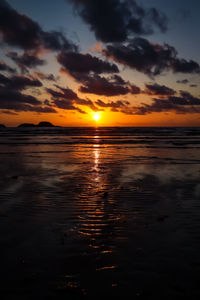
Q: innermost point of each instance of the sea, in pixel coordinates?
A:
(92, 212)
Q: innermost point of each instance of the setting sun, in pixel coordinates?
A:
(96, 117)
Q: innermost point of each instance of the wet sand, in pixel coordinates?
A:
(82, 221)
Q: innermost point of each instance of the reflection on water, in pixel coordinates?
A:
(105, 218)
(96, 157)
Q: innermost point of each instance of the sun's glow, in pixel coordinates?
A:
(96, 116)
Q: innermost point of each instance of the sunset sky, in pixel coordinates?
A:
(134, 63)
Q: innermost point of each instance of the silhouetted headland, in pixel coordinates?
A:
(41, 124)
(2, 126)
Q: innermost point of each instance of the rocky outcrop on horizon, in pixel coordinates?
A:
(2, 126)
(41, 124)
(45, 124)
(27, 125)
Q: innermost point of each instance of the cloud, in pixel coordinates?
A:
(133, 89)
(103, 86)
(18, 82)
(185, 103)
(150, 58)
(182, 104)
(86, 69)
(8, 97)
(26, 60)
(183, 81)
(41, 109)
(115, 106)
(43, 76)
(184, 66)
(5, 68)
(157, 89)
(78, 64)
(142, 55)
(12, 98)
(66, 93)
(121, 19)
(65, 98)
(8, 112)
(188, 99)
(18, 30)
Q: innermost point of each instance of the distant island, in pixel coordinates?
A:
(2, 126)
(41, 124)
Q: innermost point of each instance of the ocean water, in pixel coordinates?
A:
(91, 212)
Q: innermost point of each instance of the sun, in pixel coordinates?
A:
(96, 116)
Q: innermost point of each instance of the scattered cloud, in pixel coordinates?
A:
(13, 99)
(18, 82)
(185, 103)
(157, 89)
(150, 58)
(26, 61)
(6, 68)
(65, 98)
(43, 76)
(183, 81)
(18, 30)
(103, 86)
(121, 19)
(78, 65)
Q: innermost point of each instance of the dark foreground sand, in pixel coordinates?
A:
(87, 221)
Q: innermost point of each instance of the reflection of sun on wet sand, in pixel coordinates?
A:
(98, 212)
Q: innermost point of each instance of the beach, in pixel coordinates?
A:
(96, 212)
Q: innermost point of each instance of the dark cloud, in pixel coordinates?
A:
(9, 112)
(6, 68)
(121, 19)
(67, 105)
(184, 81)
(20, 31)
(41, 109)
(66, 98)
(43, 76)
(26, 61)
(133, 89)
(150, 58)
(142, 55)
(122, 106)
(86, 69)
(79, 65)
(188, 99)
(185, 103)
(18, 82)
(47, 102)
(115, 106)
(103, 86)
(8, 97)
(65, 93)
(13, 100)
(157, 89)
(184, 66)
(158, 18)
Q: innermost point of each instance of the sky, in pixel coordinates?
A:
(129, 62)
